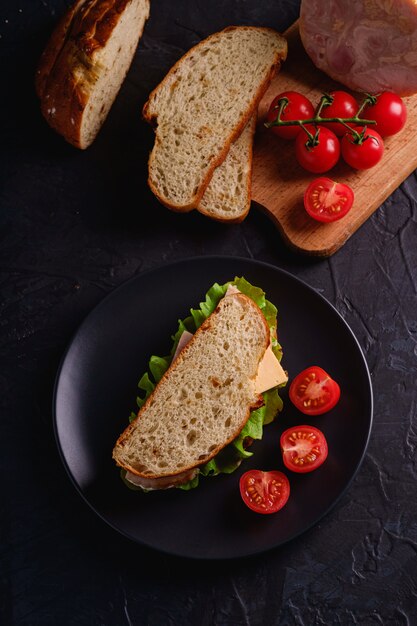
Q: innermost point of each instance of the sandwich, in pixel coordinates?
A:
(208, 400)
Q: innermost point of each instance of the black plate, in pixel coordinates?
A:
(96, 390)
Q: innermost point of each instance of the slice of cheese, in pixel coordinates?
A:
(270, 372)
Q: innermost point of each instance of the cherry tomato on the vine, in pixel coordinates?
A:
(343, 105)
(389, 113)
(326, 200)
(320, 157)
(298, 108)
(365, 152)
(304, 448)
(313, 391)
(264, 492)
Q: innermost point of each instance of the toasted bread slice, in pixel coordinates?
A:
(85, 62)
(204, 399)
(228, 195)
(203, 105)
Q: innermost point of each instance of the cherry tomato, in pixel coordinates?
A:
(304, 448)
(298, 108)
(321, 157)
(343, 105)
(389, 113)
(264, 492)
(313, 391)
(364, 153)
(327, 201)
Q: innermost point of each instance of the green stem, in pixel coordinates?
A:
(321, 120)
(325, 100)
(281, 106)
(318, 119)
(370, 99)
(311, 138)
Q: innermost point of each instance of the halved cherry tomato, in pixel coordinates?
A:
(313, 391)
(304, 448)
(264, 492)
(326, 200)
(389, 113)
(298, 108)
(343, 105)
(364, 153)
(321, 157)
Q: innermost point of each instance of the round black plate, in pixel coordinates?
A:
(96, 390)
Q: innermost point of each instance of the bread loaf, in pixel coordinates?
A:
(203, 105)
(204, 399)
(84, 64)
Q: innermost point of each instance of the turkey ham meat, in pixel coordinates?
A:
(367, 45)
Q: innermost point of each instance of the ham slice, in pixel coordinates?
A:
(367, 45)
(184, 340)
(161, 483)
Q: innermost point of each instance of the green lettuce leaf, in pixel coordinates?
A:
(228, 459)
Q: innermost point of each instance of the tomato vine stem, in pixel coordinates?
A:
(318, 119)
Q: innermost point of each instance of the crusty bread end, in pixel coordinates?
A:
(84, 64)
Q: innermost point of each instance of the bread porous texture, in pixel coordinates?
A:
(204, 399)
(110, 66)
(228, 195)
(202, 106)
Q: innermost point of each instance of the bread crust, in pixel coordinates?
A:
(256, 404)
(82, 31)
(235, 132)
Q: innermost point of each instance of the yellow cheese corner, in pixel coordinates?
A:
(270, 373)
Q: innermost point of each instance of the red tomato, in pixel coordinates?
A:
(314, 392)
(321, 157)
(327, 201)
(364, 153)
(343, 105)
(298, 108)
(264, 492)
(389, 113)
(304, 448)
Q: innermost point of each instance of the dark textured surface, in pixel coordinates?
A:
(75, 225)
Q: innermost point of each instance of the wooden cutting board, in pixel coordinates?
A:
(278, 182)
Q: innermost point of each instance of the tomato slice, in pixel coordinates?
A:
(326, 200)
(264, 492)
(314, 392)
(304, 448)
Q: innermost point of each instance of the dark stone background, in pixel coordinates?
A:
(74, 225)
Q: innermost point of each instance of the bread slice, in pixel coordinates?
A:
(85, 62)
(204, 399)
(203, 105)
(228, 195)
